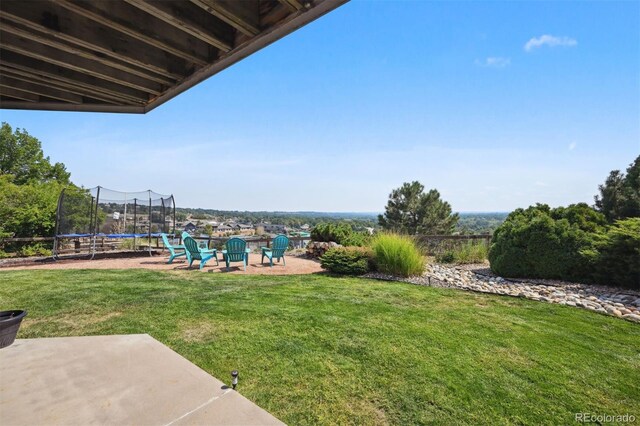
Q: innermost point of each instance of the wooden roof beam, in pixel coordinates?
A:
(18, 94)
(38, 89)
(175, 16)
(56, 73)
(65, 106)
(88, 93)
(81, 32)
(293, 5)
(65, 47)
(244, 16)
(57, 57)
(95, 11)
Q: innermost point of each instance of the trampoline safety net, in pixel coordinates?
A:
(101, 219)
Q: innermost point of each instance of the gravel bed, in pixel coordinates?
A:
(622, 303)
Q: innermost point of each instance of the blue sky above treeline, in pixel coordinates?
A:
(498, 105)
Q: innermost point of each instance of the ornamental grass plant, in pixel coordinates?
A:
(398, 255)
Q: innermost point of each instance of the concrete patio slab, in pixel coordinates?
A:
(128, 379)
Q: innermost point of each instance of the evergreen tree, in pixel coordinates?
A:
(412, 211)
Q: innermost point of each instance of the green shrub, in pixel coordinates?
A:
(541, 242)
(36, 249)
(127, 244)
(398, 255)
(619, 260)
(348, 260)
(340, 233)
(469, 252)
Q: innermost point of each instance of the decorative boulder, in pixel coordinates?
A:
(316, 249)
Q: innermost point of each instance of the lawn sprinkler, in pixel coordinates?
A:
(234, 379)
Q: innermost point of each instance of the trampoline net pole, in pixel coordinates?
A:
(135, 221)
(173, 202)
(57, 231)
(149, 223)
(95, 229)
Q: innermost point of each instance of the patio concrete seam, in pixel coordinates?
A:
(204, 404)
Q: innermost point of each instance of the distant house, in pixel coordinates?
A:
(301, 234)
(243, 227)
(305, 227)
(273, 229)
(224, 228)
(190, 228)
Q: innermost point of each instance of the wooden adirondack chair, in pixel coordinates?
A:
(196, 253)
(278, 247)
(236, 252)
(175, 251)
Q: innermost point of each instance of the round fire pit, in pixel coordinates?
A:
(9, 325)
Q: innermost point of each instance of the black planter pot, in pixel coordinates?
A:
(9, 325)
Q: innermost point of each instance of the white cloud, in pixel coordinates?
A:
(550, 41)
(494, 62)
(572, 146)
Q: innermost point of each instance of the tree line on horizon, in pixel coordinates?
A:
(30, 185)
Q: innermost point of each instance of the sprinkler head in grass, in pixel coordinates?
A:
(234, 378)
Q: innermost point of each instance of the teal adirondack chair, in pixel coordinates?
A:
(174, 250)
(236, 251)
(278, 246)
(196, 253)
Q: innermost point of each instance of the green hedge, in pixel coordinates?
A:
(619, 259)
(340, 233)
(348, 260)
(571, 243)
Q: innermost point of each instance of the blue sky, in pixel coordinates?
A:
(498, 105)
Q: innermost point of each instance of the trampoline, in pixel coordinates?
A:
(100, 219)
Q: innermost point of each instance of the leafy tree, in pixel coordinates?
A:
(27, 210)
(620, 194)
(21, 156)
(412, 211)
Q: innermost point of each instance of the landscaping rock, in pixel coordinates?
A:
(615, 302)
(632, 317)
(317, 249)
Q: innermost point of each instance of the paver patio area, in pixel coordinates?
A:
(294, 266)
(121, 379)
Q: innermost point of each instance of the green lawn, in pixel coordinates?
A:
(323, 350)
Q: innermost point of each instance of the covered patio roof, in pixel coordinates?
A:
(131, 55)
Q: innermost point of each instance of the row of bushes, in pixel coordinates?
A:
(25, 250)
(388, 253)
(468, 252)
(340, 233)
(571, 243)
